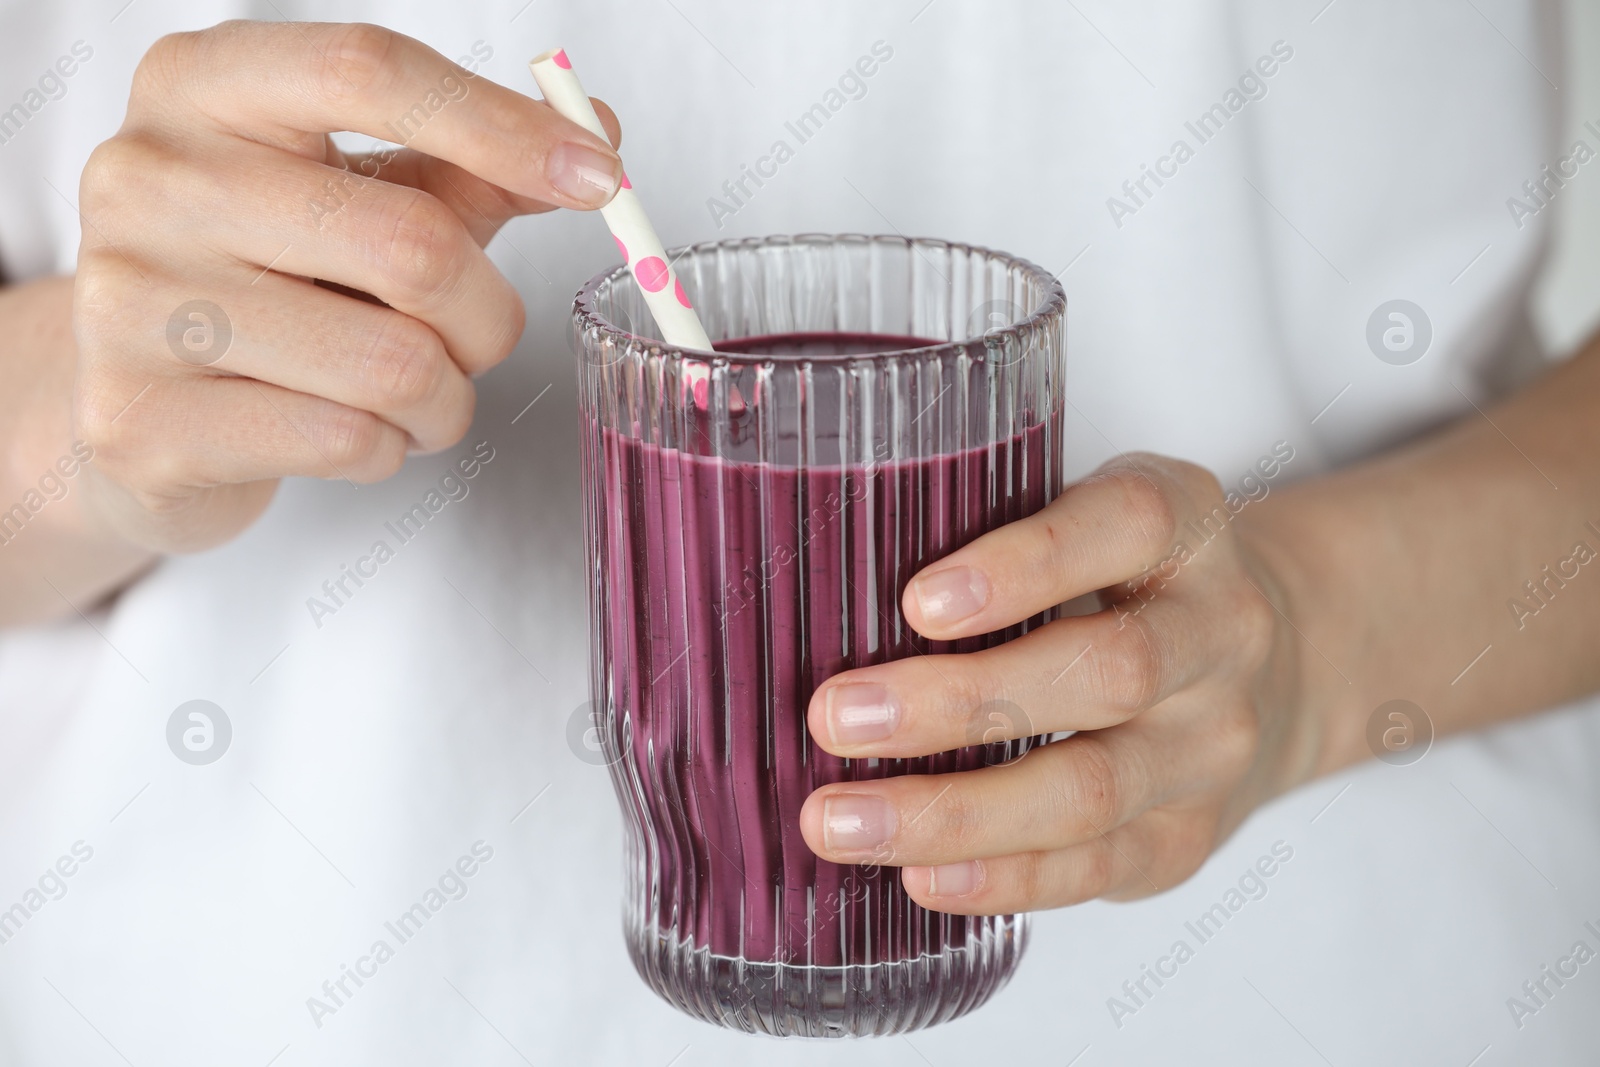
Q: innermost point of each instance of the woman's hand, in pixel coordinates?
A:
(1181, 690)
(252, 304)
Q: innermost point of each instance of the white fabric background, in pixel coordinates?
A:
(426, 714)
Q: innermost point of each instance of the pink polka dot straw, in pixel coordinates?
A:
(636, 238)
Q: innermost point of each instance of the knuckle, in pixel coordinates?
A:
(96, 404)
(1183, 843)
(492, 205)
(959, 827)
(1147, 509)
(164, 472)
(424, 253)
(1093, 791)
(1130, 671)
(157, 475)
(503, 331)
(404, 364)
(160, 497)
(388, 457)
(1097, 874)
(161, 68)
(122, 171)
(350, 436)
(510, 331)
(96, 286)
(103, 292)
(955, 696)
(1028, 878)
(1256, 622)
(1205, 485)
(1180, 475)
(459, 420)
(1196, 842)
(1238, 738)
(384, 459)
(354, 57)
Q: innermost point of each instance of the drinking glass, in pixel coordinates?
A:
(752, 517)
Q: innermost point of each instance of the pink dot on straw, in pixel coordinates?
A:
(652, 274)
(560, 59)
(621, 247)
(683, 297)
(626, 184)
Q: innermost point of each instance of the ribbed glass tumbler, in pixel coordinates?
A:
(752, 517)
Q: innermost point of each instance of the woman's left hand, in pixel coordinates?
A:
(1181, 690)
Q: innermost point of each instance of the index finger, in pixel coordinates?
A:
(1103, 530)
(277, 83)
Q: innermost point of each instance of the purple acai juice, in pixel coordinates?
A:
(735, 586)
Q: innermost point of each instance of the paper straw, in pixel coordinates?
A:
(641, 248)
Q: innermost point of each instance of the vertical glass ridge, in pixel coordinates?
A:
(744, 547)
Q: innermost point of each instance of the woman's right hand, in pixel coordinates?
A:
(211, 361)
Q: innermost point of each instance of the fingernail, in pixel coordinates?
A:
(859, 713)
(855, 821)
(951, 595)
(586, 174)
(955, 879)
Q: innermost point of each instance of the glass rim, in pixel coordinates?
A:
(1054, 304)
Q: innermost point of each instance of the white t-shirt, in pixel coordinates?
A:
(1213, 313)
